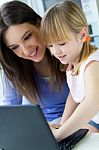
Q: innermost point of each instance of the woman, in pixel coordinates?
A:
(27, 63)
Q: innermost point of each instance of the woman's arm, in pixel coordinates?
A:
(9, 94)
(70, 106)
(86, 109)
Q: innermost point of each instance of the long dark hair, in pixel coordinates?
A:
(20, 71)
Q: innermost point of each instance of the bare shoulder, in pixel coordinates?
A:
(92, 73)
(92, 68)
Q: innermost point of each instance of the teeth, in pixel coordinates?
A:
(62, 56)
(33, 53)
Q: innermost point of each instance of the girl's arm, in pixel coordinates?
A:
(70, 106)
(86, 109)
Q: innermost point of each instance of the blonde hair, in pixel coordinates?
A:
(63, 20)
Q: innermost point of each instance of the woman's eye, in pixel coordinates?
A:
(62, 44)
(28, 36)
(50, 46)
(14, 48)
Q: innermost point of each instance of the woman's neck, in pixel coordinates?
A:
(43, 67)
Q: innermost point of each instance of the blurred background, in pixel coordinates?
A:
(90, 8)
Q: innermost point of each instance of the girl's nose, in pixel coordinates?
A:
(56, 50)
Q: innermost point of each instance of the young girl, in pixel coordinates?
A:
(65, 32)
(27, 63)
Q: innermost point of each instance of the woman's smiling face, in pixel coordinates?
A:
(25, 41)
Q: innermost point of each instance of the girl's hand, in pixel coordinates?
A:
(55, 128)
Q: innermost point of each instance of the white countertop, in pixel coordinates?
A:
(90, 142)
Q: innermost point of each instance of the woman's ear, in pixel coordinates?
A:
(83, 34)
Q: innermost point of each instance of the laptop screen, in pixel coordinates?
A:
(25, 128)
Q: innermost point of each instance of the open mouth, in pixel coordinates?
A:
(34, 52)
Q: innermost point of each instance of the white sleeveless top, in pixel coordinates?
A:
(76, 83)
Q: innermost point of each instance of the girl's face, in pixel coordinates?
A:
(67, 51)
(25, 41)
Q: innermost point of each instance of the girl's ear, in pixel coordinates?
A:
(83, 34)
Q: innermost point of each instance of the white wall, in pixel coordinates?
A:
(3, 1)
(37, 5)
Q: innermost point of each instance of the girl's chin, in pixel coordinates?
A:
(64, 62)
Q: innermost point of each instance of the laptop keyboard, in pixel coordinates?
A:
(69, 142)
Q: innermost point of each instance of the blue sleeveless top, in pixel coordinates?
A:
(52, 101)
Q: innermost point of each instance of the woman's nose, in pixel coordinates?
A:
(27, 50)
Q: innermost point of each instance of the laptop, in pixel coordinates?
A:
(24, 127)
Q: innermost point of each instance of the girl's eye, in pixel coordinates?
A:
(62, 44)
(28, 36)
